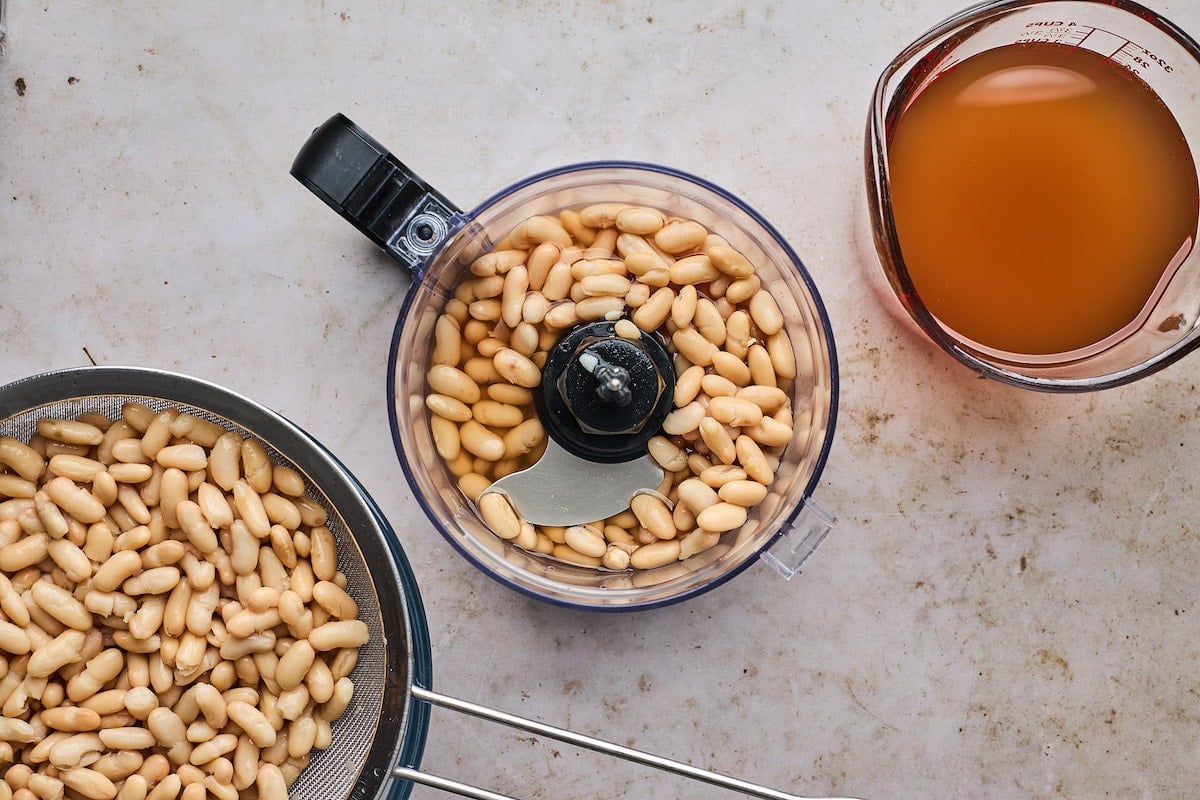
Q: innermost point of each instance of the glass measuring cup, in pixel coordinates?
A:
(1124, 35)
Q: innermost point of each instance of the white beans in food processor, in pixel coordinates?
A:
(172, 619)
(731, 415)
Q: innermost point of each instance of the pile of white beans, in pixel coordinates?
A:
(645, 271)
(173, 623)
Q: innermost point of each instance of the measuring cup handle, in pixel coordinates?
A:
(357, 177)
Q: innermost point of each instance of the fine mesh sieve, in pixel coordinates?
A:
(378, 741)
(375, 732)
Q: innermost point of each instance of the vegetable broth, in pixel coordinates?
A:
(1040, 194)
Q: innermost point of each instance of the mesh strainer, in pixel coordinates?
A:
(378, 741)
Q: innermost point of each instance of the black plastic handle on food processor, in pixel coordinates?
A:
(372, 189)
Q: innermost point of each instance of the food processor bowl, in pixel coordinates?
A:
(783, 529)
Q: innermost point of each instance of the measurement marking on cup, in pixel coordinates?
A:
(1111, 45)
(1141, 58)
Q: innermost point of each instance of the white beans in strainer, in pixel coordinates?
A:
(173, 623)
(721, 443)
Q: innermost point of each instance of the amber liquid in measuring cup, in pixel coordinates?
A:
(1040, 192)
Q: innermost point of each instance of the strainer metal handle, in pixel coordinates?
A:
(422, 694)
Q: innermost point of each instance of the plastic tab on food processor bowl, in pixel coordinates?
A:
(361, 180)
(800, 539)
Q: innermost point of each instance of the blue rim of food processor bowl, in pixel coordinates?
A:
(818, 463)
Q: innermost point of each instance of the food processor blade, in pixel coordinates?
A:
(564, 489)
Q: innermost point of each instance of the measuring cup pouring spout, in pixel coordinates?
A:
(1033, 194)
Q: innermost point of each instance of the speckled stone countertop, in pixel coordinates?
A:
(1007, 605)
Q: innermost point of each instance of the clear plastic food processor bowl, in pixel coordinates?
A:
(783, 529)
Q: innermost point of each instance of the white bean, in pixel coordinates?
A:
(680, 236)
(70, 431)
(684, 420)
(586, 540)
(499, 515)
(448, 380)
(721, 517)
(654, 555)
(187, 457)
(75, 500)
(516, 368)
(765, 313)
(21, 458)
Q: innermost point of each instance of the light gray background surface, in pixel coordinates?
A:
(1007, 606)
